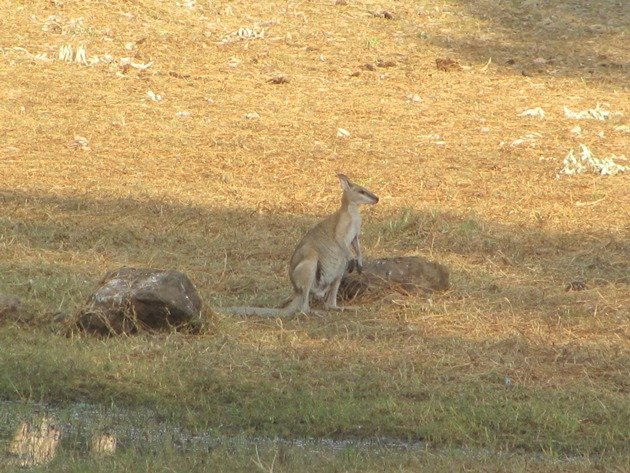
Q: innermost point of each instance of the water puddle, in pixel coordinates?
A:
(35, 432)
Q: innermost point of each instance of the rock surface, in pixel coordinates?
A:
(9, 306)
(406, 273)
(129, 300)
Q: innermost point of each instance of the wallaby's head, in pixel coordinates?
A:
(355, 193)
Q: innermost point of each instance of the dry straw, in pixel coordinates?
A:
(225, 198)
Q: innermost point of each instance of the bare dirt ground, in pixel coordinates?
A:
(205, 136)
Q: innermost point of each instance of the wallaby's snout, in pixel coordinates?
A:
(371, 198)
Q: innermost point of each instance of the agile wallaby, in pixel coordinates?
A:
(322, 255)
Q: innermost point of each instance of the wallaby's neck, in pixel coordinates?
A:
(347, 205)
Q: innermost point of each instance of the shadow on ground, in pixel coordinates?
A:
(579, 39)
(58, 247)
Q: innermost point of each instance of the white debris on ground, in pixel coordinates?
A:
(255, 32)
(81, 56)
(533, 112)
(529, 138)
(342, 133)
(68, 54)
(65, 53)
(153, 96)
(126, 61)
(189, 4)
(587, 162)
(597, 113)
(80, 142)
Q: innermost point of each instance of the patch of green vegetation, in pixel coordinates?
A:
(372, 42)
(282, 458)
(214, 381)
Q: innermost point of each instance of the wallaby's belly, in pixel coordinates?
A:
(331, 264)
(332, 258)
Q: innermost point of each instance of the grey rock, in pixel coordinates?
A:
(129, 300)
(9, 306)
(405, 273)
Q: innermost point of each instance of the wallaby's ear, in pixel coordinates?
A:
(345, 182)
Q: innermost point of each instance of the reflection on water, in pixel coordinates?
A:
(103, 443)
(86, 427)
(89, 429)
(34, 443)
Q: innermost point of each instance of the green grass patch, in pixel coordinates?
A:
(212, 382)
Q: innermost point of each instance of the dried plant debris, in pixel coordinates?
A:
(533, 112)
(40, 57)
(447, 64)
(385, 63)
(576, 286)
(383, 14)
(179, 75)
(587, 162)
(597, 113)
(234, 62)
(58, 25)
(278, 79)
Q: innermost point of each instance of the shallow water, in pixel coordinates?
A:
(146, 431)
(143, 429)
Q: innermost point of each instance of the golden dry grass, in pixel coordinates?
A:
(224, 198)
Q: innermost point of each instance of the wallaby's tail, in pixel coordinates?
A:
(290, 309)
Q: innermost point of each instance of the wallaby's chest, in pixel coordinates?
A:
(348, 225)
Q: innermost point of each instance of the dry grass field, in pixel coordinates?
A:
(204, 136)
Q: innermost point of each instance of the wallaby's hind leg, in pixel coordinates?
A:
(303, 278)
(331, 297)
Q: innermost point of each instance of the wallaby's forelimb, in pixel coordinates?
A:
(357, 252)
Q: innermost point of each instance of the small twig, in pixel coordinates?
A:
(586, 204)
